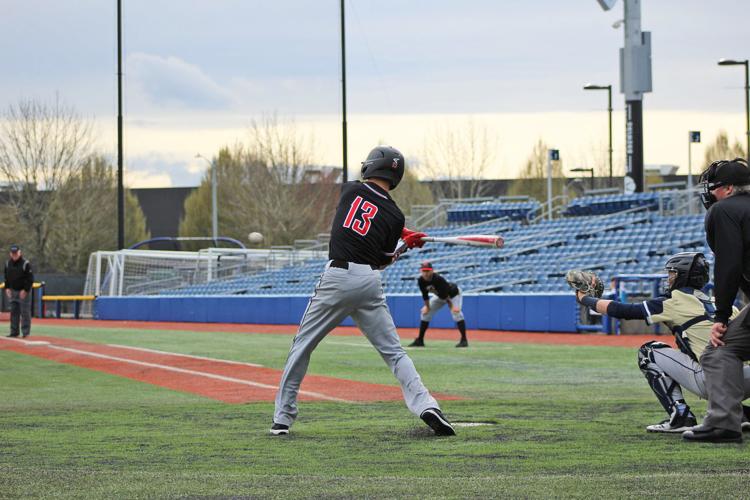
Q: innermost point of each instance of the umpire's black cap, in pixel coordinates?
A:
(727, 172)
(14, 248)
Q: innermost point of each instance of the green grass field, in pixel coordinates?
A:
(566, 422)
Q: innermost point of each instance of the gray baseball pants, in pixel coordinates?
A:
(671, 365)
(723, 367)
(20, 309)
(356, 292)
(436, 303)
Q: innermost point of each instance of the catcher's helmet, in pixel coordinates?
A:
(723, 173)
(384, 162)
(691, 269)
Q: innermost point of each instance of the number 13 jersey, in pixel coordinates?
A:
(367, 225)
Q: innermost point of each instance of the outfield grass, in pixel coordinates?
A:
(566, 422)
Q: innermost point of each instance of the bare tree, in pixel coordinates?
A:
(459, 156)
(532, 179)
(720, 149)
(41, 147)
(270, 185)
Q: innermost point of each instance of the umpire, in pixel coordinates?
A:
(18, 282)
(726, 190)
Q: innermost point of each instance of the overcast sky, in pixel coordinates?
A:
(197, 72)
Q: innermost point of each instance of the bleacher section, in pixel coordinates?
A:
(534, 259)
(598, 205)
(480, 212)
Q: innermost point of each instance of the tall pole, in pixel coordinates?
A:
(690, 173)
(609, 110)
(549, 185)
(343, 92)
(120, 188)
(214, 209)
(747, 110)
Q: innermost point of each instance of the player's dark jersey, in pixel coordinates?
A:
(367, 225)
(439, 286)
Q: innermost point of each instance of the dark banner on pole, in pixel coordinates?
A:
(634, 146)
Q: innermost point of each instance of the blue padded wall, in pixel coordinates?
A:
(535, 313)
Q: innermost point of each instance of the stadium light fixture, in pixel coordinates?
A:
(740, 62)
(608, 88)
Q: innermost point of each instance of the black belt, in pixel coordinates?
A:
(342, 264)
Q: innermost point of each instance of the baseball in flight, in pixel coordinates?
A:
(255, 237)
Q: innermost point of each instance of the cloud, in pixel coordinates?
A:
(173, 82)
(159, 169)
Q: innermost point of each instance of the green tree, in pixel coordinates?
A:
(532, 181)
(83, 217)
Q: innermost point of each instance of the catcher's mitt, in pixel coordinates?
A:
(586, 282)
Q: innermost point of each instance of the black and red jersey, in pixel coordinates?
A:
(367, 225)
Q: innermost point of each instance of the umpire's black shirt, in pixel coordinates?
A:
(367, 225)
(18, 275)
(728, 235)
(439, 286)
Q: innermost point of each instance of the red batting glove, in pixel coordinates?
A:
(412, 238)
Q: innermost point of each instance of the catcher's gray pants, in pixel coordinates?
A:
(20, 309)
(723, 367)
(669, 370)
(356, 292)
(436, 303)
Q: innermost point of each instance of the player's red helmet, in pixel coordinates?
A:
(384, 162)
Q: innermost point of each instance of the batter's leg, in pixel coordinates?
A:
(324, 313)
(375, 321)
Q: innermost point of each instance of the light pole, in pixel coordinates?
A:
(552, 155)
(214, 210)
(693, 136)
(733, 62)
(582, 169)
(608, 88)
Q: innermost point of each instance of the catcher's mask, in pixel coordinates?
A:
(384, 162)
(723, 173)
(691, 269)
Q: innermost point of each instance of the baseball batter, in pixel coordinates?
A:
(445, 293)
(364, 234)
(688, 313)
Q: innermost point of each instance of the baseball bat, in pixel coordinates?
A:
(473, 240)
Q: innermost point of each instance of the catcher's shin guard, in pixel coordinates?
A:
(667, 391)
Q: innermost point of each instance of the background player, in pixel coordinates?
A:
(688, 313)
(364, 234)
(445, 293)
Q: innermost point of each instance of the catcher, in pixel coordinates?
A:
(688, 313)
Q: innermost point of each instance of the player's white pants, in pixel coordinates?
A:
(356, 292)
(659, 361)
(436, 303)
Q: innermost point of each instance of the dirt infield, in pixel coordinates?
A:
(405, 333)
(223, 380)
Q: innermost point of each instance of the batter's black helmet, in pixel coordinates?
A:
(691, 269)
(384, 162)
(723, 173)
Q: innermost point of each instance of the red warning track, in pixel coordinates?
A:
(228, 381)
(405, 333)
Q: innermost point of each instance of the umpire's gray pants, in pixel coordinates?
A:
(356, 292)
(436, 303)
(723, 367)
(20, 309)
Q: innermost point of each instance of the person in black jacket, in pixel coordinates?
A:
(445, 293)
(18, 282)
(726, 194)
